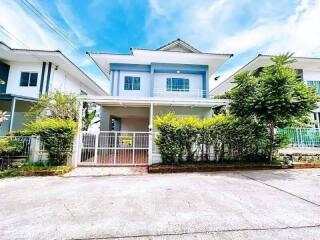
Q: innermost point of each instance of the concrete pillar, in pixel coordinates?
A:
(13, 109)
(150, 134)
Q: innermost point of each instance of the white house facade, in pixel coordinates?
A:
(308, 70)
(27, 74)
(144, 84)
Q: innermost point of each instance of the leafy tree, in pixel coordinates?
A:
(57, 105)
(274, 97)
(88, 115)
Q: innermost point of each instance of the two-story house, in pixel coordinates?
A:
(308, 70)
(146, 83)
(27, 74)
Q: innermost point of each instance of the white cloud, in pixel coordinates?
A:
(73, 23)
(245, 28)
(299, 33)
(28, 31)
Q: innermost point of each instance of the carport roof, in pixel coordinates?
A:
(147, 101)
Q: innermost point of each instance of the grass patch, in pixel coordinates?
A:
(35, 169)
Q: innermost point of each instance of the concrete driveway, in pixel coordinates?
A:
(225, 205)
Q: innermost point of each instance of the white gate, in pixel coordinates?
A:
(112, 148)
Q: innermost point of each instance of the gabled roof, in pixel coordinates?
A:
(262, 60)
(175, 52)
(178, 45)
(55, 56)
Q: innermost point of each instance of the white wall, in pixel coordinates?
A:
(160, 85)
(311, 75)
(59, 80)
(63, 81)
(144, 84)
(13, 85)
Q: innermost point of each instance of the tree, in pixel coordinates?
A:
(274, 96)
(57, 105)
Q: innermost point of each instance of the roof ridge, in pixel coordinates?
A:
(178, 40)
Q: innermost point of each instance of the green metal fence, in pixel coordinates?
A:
(301, 137)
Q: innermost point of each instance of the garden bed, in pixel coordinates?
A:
(34, 170)
(212, 167)
(302, 165)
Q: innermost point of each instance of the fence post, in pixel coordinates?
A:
(133, 147)
(115, 147)
(96, 145)
(35, 149)
(297, 135)
(301, 140)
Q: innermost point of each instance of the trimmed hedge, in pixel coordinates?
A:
(56, 136)
(222, 137)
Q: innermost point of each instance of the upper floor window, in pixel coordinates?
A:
(299, 74)
(178, 84)
(316, 84)
(28, 79)
(131, 83)
(83, 93)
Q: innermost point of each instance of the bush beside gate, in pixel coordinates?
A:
(220, 138)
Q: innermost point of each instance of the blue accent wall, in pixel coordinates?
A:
(4, 74)
(130, 67)
(159, 68)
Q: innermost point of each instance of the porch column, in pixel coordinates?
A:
(150, 134)
(13, 109)
(76, 146)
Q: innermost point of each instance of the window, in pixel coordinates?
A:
(299, 74)
(28, 79)
(83, 93)
(131, 83)
(178, 84)
(257, 72)
(316, 84)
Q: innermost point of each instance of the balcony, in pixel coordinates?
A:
(181, 93)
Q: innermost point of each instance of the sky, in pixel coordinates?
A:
(244, 28)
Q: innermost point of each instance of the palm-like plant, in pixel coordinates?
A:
(3, 117)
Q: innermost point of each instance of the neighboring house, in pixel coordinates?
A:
(27, 74)
(308, 70)
(146, 83)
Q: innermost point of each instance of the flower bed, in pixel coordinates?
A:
(36, 170)
(212, 167)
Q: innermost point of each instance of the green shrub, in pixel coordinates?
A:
(10, 146)
(56, 136)
(218, 138)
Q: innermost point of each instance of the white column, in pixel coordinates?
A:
(77, 149)
(150, 134)
(13, 109)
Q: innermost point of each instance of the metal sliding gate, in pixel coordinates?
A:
(111, 148)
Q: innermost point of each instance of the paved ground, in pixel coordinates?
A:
(242, 205)
(106, 171)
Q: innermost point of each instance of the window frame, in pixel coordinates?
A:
(175, 87)
(314, 83)
(133, 85)
(29, 79)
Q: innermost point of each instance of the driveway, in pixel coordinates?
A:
(225, 205)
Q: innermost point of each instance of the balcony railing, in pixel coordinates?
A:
(180, 93)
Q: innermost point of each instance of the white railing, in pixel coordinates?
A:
(181, 93)
(31, 150)
(114, 148)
